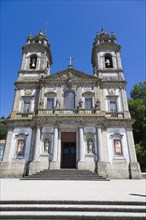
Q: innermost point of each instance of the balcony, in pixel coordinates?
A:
(20, 115)
(114, 115)
(46, 112)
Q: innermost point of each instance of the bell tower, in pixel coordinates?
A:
(36, 56)
(106, 59)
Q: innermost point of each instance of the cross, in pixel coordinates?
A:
(70, 60)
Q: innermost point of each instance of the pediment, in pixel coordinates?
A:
(70, 74)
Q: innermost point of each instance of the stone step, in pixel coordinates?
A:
(65, 174)
(65, 210)
(72, 202)
(73, 179)
(72, 215)
(69, 207)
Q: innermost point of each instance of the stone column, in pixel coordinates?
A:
(125, 103)
(8, 145)
(131, 146)
(81, 144)
(102, 164)
(124, 98)
(99, 144)
(119, 61)
(21, 104)
(114, 62)
(32, 104)
(32, 145)
(55, 149)
(81, 150)
(134, 168)
(37, 145)
(55, 163)
(16, 100)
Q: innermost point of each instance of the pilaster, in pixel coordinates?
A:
(8, 145)
(134, 168)
(54, 164)
(125, 104)
(37, 145)
(81, 163)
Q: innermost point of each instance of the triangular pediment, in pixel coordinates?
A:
(70, 73)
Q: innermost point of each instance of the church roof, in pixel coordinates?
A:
(70, 74)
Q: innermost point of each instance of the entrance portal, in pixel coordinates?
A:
(68, 153)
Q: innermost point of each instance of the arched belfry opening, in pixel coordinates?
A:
(33, 61)
(108, 61)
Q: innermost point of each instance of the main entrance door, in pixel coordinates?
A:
(69, 155)
(68, 152)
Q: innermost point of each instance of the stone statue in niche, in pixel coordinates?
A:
(41, 103)
(97, 104)
(47, 146)
(80, 103)
(90, 145)
(57, 103)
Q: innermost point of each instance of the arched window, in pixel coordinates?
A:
(33, 61)
(108, 61)
(69, 99)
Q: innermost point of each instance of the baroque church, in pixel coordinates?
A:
(70, 119)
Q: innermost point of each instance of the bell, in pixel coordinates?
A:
(33, 64)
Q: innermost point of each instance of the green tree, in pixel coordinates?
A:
(3, 130)
(137, 107)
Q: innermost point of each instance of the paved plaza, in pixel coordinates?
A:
(113, 190)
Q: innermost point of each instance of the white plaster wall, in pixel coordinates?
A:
(122, 131)
(28, 132)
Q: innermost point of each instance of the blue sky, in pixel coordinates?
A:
(71, 29)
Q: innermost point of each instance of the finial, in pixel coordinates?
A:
(29, 38)
(41, 32)
(113, 37)
(70, 58)
(102, 30)
(45, 27)
(97, 34)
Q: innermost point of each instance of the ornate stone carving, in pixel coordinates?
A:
(69, 83)
(111, 91)
(28, 92)
(80, 104)
(97, 104)
(117, 135)
(41, 103)
(57, 103)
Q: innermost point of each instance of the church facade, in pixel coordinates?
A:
(70, 119)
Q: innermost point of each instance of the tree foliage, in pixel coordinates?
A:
(3, 130)
(137, 107)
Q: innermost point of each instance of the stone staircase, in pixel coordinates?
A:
(75, 210)
(65, 174)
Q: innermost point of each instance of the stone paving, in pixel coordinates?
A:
(113, 190)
